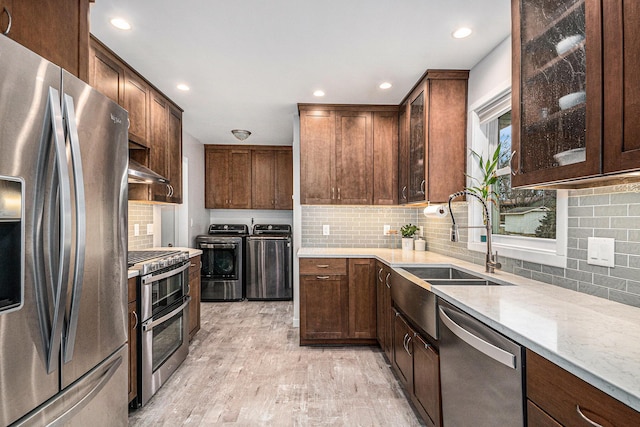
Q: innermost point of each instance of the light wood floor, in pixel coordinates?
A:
(246, 368)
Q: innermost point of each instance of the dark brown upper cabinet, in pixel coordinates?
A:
(348, 154)
(575, 111)
(56, 30)
(432, 134)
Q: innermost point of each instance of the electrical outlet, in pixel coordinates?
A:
(325, 230)
(385, 230)
(600, 251)
(136, 229)
(421, 231)
(149, 228)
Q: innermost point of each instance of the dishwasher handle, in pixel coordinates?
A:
(497, 354)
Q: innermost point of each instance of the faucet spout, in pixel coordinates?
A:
(491, 260)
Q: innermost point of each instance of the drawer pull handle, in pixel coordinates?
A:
(322, 277)
(584, 417)
(6, 30)
(322, 265)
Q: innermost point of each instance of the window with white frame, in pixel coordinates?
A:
(527, 224)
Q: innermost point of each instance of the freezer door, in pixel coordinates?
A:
(97, 308)
(25, 79)
(99, 399)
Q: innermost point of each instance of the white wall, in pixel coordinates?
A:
(491, 74)
(198, 216)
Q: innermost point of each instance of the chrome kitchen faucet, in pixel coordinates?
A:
(491, 260)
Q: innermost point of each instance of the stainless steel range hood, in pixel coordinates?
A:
(140, 174)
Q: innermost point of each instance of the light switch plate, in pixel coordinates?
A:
(136, 229)
(421, 231)
(600, 251)
(149, 228)
(386, 229)
(325, 230)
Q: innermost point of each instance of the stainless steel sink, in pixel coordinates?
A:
(439, 276)
(439, 273)
(464, 282)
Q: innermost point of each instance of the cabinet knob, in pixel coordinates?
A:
(6, 31)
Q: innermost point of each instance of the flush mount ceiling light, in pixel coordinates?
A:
(120, 24)
(385, 85)
(461, 33)
(241, 134)
(318, 93)
(183, 87)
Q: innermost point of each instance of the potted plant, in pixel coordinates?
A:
(408, 231)
(484, 187)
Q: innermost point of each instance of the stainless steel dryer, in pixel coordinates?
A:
(269, 259)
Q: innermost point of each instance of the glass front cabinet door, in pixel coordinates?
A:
(556, 90)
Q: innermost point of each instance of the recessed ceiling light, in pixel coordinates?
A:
(318, 93)
(183, 87)
(461, 33)
(385, 85)
(120, 24)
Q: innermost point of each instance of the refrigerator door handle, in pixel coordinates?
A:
(80, 225)
(60, 285)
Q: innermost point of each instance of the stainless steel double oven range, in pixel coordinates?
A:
(223, 249)
(163, 301)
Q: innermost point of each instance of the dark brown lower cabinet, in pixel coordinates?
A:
(402, 351)
(426, 379)
(570, 401)
(337, 301)
(538, 418)
(384, 309)
(133, 339)
(324, 306)
(417, 365)
(194, 293)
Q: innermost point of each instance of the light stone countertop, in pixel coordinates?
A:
(192, 252)
(595, 339)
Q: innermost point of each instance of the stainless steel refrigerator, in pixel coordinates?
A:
(63, 241)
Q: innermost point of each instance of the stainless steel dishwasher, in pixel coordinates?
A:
(269, 259)
(481, 373)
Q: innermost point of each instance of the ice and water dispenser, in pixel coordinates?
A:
(11, 244)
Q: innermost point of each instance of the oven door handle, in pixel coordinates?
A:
(149, 325)
(150, 278)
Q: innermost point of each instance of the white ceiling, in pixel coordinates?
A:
(249, 62)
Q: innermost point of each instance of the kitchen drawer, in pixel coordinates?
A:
(323, 266)
(536, 417)
(132, 289)
(569, 399)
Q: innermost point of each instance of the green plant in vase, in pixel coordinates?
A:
(408, 231)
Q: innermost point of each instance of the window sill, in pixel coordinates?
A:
(540, 256)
